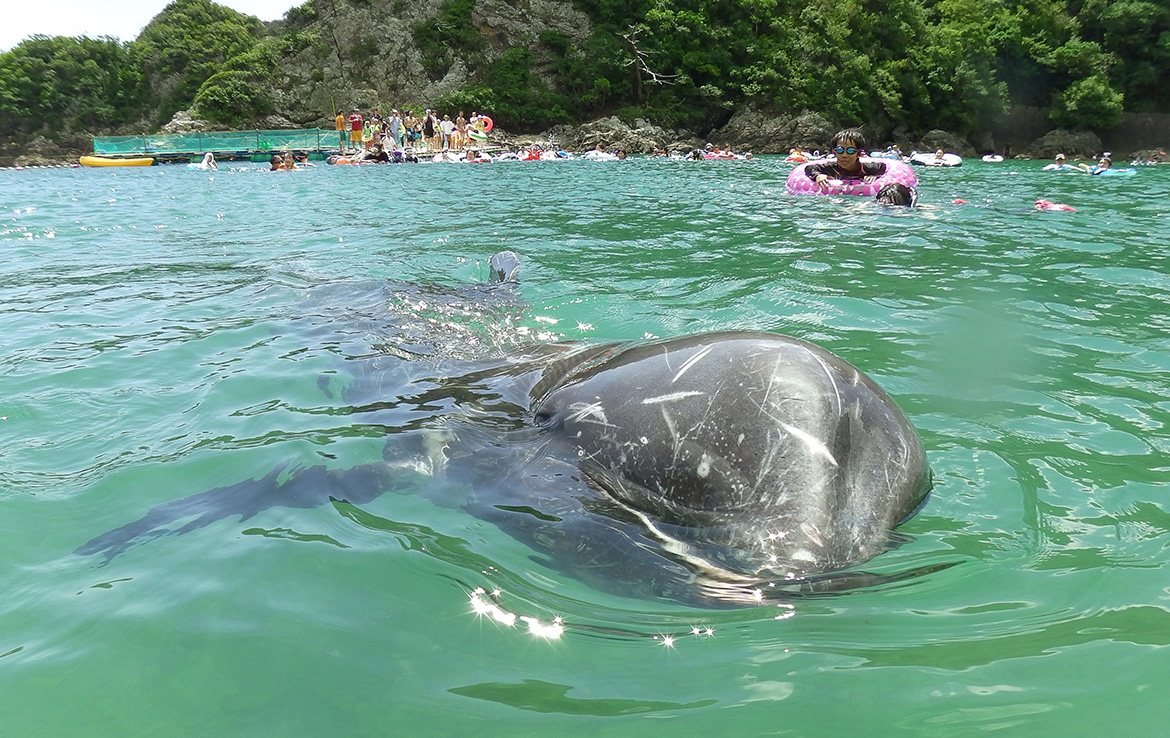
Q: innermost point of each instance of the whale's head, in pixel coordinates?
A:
(750, 452)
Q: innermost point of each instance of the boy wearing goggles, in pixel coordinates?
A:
(847, 147)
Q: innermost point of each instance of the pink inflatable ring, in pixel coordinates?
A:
(799, 182)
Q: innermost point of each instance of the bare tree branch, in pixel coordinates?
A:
(639, 60)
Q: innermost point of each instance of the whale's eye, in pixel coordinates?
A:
(543, 417)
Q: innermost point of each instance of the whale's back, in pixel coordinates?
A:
(762, 445)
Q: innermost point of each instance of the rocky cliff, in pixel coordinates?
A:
(368, 55)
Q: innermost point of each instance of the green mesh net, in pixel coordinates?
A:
(219, 142)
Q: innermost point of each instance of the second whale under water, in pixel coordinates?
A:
(717, 467)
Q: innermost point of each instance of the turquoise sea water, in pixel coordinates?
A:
(154, 346)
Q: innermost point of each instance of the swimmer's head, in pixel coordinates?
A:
(895, 194)
(848, 137)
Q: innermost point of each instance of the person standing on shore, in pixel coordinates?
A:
(448, 130)
(410, 125)
(396, 129)
(355, 129)
(371, 134)
(339, 124)
(461, 139)
(431, 131)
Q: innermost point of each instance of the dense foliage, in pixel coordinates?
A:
(186, 44)
(892, 64)
(914, 64)
(451, 33)
(49, 85)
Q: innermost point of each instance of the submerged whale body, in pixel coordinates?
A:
(697, 468)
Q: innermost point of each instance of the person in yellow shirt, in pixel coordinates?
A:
(339, 124)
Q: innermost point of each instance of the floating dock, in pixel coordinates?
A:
(239, 145)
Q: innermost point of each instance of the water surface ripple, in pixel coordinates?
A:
(169, 331)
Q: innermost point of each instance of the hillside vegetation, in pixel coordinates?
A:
(910, 65)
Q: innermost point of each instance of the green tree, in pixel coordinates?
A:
(53, 85)
(1136, 33)
(1087, 103)
(187, 43)
(450, 33)
(232, 98)
(240, 94)
(515, 97)
(959, 65)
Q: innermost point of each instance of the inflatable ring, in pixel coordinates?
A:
(477, 134)
(486, 123)
(799, 183)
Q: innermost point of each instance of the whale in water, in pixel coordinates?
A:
(700, 468)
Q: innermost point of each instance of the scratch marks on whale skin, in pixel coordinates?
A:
(832, 377)
(699, 356)
(676, 439)
(768, 463)
(681, 437)
(672, 397)
(588, 412)
(782, 389)
(815, 445)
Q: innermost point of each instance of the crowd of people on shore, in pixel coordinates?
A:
(404, 136)
(402, 130)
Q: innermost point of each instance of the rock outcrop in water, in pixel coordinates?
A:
(761, 133)
(1078, 145)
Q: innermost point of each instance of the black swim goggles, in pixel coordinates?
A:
(846, 149)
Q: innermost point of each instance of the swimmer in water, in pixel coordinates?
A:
(1103, 165)
(847, 146)
(1059, 164)
(896, 193)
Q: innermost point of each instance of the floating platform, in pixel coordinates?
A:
(247, 145)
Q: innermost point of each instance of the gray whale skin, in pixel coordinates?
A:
(705, 469)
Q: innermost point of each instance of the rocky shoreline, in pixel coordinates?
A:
(747, 131)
